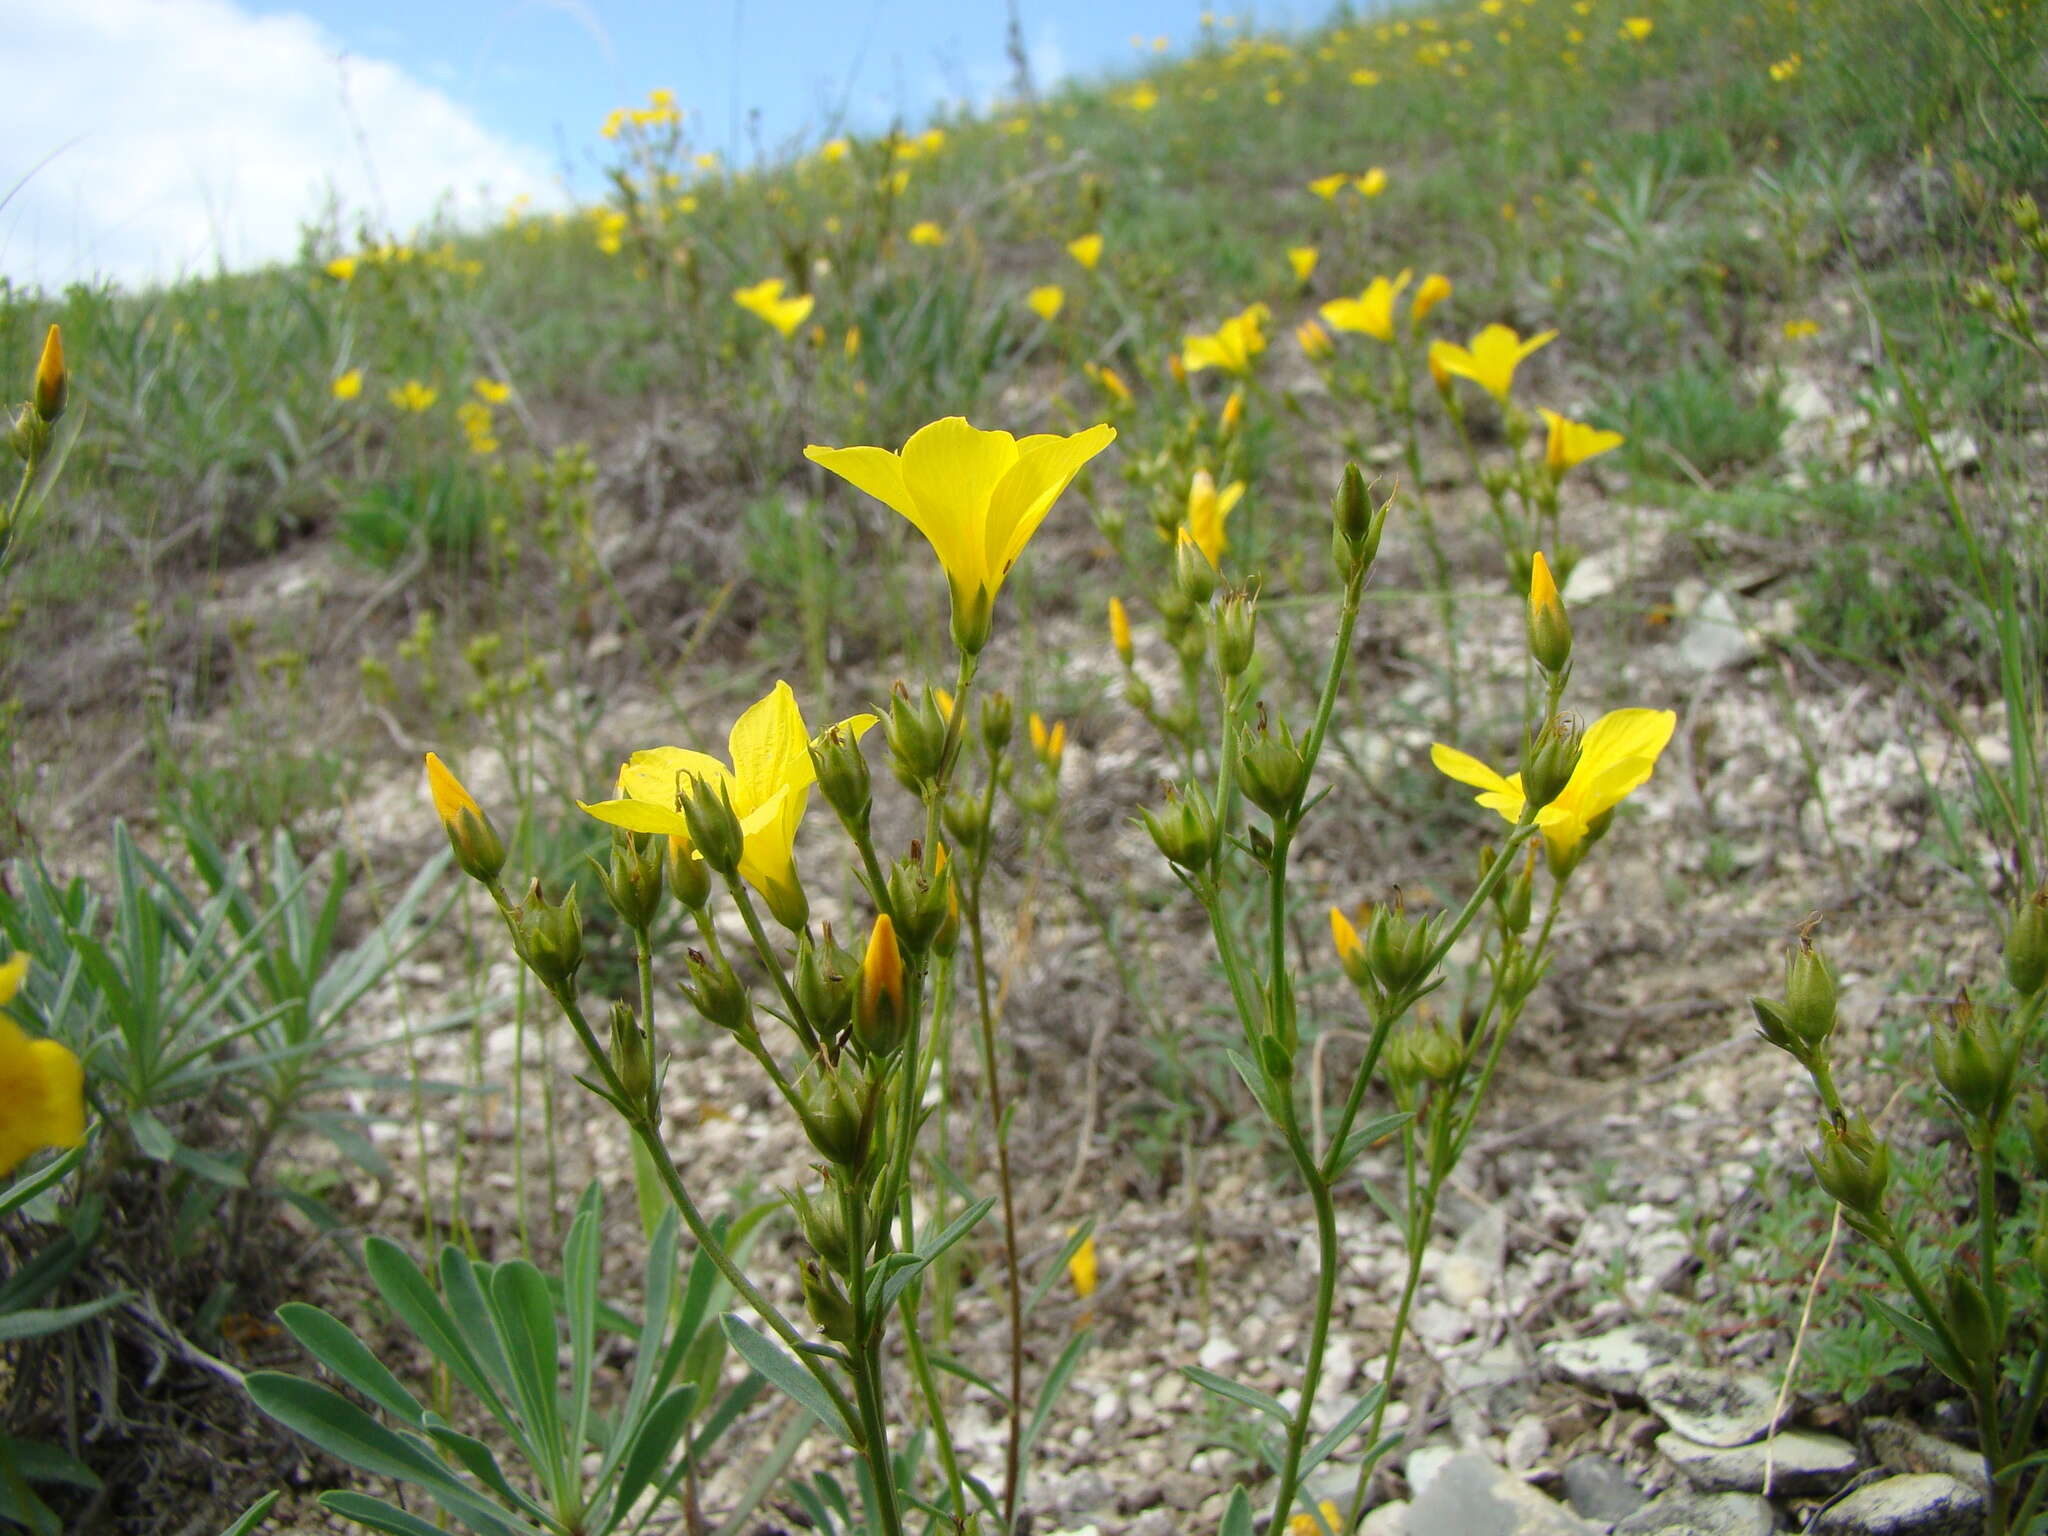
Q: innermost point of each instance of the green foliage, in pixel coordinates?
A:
(441, 511)
(1700, 421)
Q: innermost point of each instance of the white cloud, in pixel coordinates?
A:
(185, 132)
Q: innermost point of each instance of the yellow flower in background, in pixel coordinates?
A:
(976, 496)
(342, 268)
(1372, 312)
(1120, 630)
(1081, 1268)
(1304, 1524)
(1787, 68)
(1233, 346)
(492, 391)
(1302, 258)
(1315, 341)
(898, 182)
(1047, 301)
(1207, 508)
(1111, 381)
(1491, 360)
(1372, 183)
(1143, 99)
(1571, 443)
(1636, 28)
(413, 397)
(1434, 290)
(832, 151)
(348, 385)
(1616, 758)
(42, 1085)
(1086, 249)
(1799, 330)
(1048, 744)
(851, 345)
(765, 300)
(1365, 77)
(925, 232)
(1327, 187)
(1232, 414)
(769, 783)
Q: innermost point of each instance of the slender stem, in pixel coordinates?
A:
(867, 1383)
(797, 1020)
(1327, 1262)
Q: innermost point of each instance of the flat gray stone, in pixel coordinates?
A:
(1715, 637)
(1471, 1496)
(1712, 1407)
(1798, 1461)
(1702, 1514)
(1615, 1361)
(1599, 1489)
(1918, 1504)
(1900, 1446)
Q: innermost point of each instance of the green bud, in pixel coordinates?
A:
(2026, 945)
(823, 1225)
(1176, 613)
(1437, 1054)
(634, 879)
(921, 901)
(1192, 572)
(1772, 1025)
(717, 993)
(1273, 770)
(838, 1112)
(2025, 212)
(1854, 1166)
(998, 719)
(629, 1056)
(1185, 831)
(826, 1303)
(1192, 644)
(1398, 948)
(842, 770)
(1975, 1060)
(966, 817)
(1809, 1008)
(1237, 623)
(1038, 795)
(714, 825)
(1138, 694)
(1517, 896)
(917, 738)
(824, 983)
(1970, 1318)
(1356, 525)
(551, 938)
(688, 879)
(1549, 761)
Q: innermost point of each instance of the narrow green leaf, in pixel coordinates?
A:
(406, 1292)
(775, 1363)
(1055, 1382)
(335, 1345)
(376, 1515)
(1254, 1079)
(34, 1322)
(654, 1442)
(1342, 1430)
(953, 1366)
(1237, 1514)
(246, 1522)
(525, 1317)
(1236, 1392)
(1363, 1136)
(481, 1463)
(1058, 1266)
(29, 1185)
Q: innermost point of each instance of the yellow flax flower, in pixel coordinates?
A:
(925, 232)
(1327, 187)
(1372, 312)
(1434, 290)
(1048, 743)
(765, 299)
(1111, 381)
(1372, 183)
(1046, 301)
(1233, 346)
(1315, 341)
(1086, 249)
(1081, 1268)
(1120, 630)
(42, 1086)
(413, 397)
(492, 391)
(1305, 1524)
(769, 783)
(976, 496)
(1302, 258)
(1491, 360)
(1636, 28)
(1571, 443)
(1801, 329)
(1207, 508)
(347, 386)
(1616, 758)
(342, 268)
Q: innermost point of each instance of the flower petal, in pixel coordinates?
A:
(1026, 493)
(1466, 769)
(656, 775)
(770, 750)
(952, 468)
(637, 816)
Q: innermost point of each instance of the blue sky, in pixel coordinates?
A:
(158, 137)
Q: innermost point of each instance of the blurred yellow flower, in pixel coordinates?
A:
(413, 397)
(1144, 98)
(851, 345)
(1616, 758)
(1372, 183)
(976, 496)
(765, 300)
(1636, 28)
(925, 232)
(1120, 630)
(1081, 1268)
(342, 268)
(1365, 77)
(492, 391)
(1787, 68)
(1305, 1524)
(1799, 330)
(1046, 301)
(1372, 312)
(42, 1085)
(1111, 381)
(1233, 346)
(1232, 414)
(1302, 258)
(348, 385)
(1434, 290)
(1573, 442)
(1491, 360)
(1327, 187)
(769, 783)
(1207, 508)
(1048, 744)
(1315, 341)
(1086, 249)
(832, 151)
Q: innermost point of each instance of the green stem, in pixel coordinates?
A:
(867, 1384)
(1327, 1263)
(797, 1020)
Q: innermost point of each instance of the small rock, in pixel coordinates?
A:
(1473, 1497)
(1701, 1514)
(1600, 1490)
(1423, 1464)
(1712, 1407)
(1156, 1522)
(1798, 1461)
(1918, 1504)
(1615, 1361)
(1528, 1440)
(1714, 638)
(1390, 1519)
(1902, 1447)
(1217, 1353)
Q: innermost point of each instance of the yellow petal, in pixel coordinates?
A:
(1627, 733)
(657, 775)
(637, 816)
(13, 972)
(1027, 492)
(42, 1095)
(770, 748)
(1466, 769)
(952, 469)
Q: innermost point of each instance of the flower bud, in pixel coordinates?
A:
(1357, 525)
(478, 851)
(1048, 743)
(629, 1056)
(2026, 945)
(1518, 896)
(917, 738)
(1176, 613)
(842, 770)
(823, 1225)
(550, 938)
(826, 1303)
(966, 818)
(948, 937)
(1192, 572)
(1272, 768)
(1232, 415)
(714, 825)
(1975, 1059)
(1120, 630)
(1237, 622)
(1970, 1318)
(823, 983)
(717, 993)
(998, 720)
(921, 901)
(1398, 948)
(1854, 1166)
(688, 879)
(1550, 629)
(1436, 1052)
(1186, 831)
(53, 382)
(1809, 1008)
(633, 881)
(1350, 948)
(881, 1016)
(1549, 761)
(837, 1110)
(1138, 694)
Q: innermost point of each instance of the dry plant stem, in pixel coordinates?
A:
(1439, 563)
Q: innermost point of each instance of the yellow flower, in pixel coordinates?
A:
(1617, 757)
(1045, 302)
(413, 397)
(1143, 99)
(1434, 290)
(1120, 630)
(1207, 508)
(1302, 258)
(1787, 68)
(765, 299)
(1372, 312)
(1048, 744)
(769, 783)
(1550, 627)
(1573, 442)
(1315, 341)
(1327, 187)
(1232, 346)
(1305, 1524)
(1232, 414)
(1799, 330)
(976, 496)
(1491, 360)
(1086, 249)
(1111, 381)
(832, 151)
(1365, 77)
(1372, 183)
(42, 1086)
(1636, 28)
(925, 232)
(1081, 1268)
(348, 385)
(492, 391)
(342, 268)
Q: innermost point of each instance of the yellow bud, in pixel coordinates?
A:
(1350, 948)
(1550, 628)
(879, 1014)
(53, 383)
(1120, 630)
(1232, 414)
(1081, 1268)
(478, 850)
